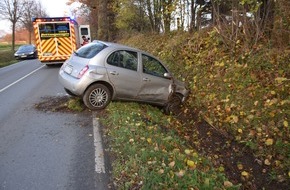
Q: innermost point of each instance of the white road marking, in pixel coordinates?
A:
(99, 152)
(21, 79)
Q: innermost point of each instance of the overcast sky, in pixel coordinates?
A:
(54, 8)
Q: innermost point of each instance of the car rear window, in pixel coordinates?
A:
(90, 50)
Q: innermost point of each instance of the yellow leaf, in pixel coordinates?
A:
(161, 171)
(232, 119)
(285, 123)
(221, 169)
(180, 173)
(156, 148)
(235, 119)
(191, 164)
(240, 166)
(267, 162)
(228, 184)
(277, 163)
(187, 151)
(149, 140)
(171, 164)
(250, 116)
(240, 130)
(195, 155)
(242, 113)
(245, 174)
(279, 80)
(269, 142)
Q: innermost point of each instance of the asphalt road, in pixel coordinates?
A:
(44, 150)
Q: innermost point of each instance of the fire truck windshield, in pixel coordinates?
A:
(54, 30)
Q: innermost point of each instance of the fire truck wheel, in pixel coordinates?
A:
(97, 97)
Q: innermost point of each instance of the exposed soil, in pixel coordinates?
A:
(224, 152)
(54, 104)
(57, 104)
(227, 154)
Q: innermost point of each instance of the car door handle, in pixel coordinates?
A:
(146, 79)
(114, 73)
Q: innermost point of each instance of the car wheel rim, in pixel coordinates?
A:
(98, 97)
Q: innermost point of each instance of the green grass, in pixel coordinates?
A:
(148, 156)
(6, 56)
(75, 104)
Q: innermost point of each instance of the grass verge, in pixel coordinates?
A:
(148, 154)
(6, 56)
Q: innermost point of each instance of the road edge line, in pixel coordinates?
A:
(99, 151)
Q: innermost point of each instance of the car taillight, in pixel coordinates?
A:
(83, 71)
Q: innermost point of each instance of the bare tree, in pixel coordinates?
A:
(12, 10)
(32, 9)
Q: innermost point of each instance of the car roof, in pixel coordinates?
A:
(27, 45)
(116, 45)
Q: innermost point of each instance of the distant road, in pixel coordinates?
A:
(43, 150)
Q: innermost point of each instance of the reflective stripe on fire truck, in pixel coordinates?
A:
(55, 49)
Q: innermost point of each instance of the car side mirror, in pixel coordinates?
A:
(168, 75)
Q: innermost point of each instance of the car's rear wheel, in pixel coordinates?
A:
(174, 105)
(97, 97)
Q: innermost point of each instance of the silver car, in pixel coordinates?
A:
(102, 71)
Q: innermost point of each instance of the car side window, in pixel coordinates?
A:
(124, 59)
(152, 66)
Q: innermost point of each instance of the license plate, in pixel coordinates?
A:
(23, 56)
(47, 54)
(68, 69)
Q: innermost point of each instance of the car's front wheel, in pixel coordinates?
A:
(97, 97)
(174, 105)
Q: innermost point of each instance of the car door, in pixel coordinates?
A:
(122, 66)
(156, 87)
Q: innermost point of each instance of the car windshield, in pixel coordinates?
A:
(26, 48)
(90, 50)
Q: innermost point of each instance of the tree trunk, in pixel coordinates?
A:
(151, 19)
(267, 12)
(192, 11)
(13, 35)
(103, 24)
(30, 35)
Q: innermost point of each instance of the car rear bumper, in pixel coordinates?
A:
(75, 85)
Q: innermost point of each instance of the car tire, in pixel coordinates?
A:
(97, 97)
(174, 105)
